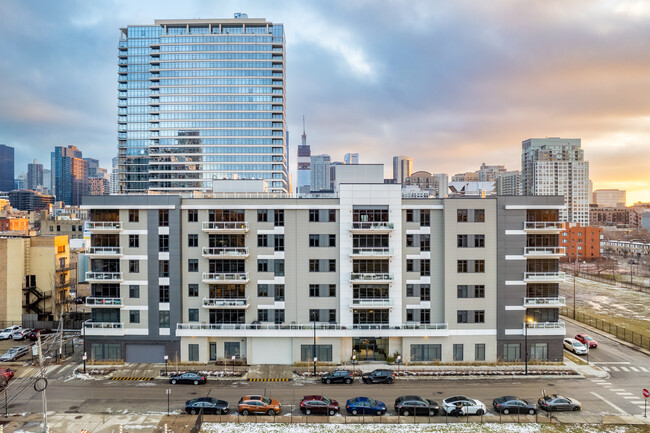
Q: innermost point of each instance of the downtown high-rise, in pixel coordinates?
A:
(199, 100)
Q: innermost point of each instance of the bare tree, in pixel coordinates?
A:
(606, 265)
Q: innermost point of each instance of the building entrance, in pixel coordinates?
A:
(370, 349)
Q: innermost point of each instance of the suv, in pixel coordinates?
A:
(338, 376)
(379, 376)
(318, 404)
(258, 404)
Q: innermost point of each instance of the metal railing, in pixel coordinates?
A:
(209, 276)
(103, 325)
(105, 251)
(99, 301)
(556, 302)
(104, 276)
(375, 303)
(371, 277)
(375, 251)
(225, 251)
(372, 225)
(225, 225)
(543, 251)
(300, 326)
(104, 225)
(544, 276)
(545, 325)
(543, 225)
(225, 302)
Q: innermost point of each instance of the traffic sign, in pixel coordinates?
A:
(646, 393)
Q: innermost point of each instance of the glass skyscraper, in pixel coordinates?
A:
(200, 100)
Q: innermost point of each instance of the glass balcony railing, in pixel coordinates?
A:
(225, 226)
(544, 276)
(225, 302)
(555, 302)
(104, 276)
(361, 277)
(225, 251)
(374, 251)
(97, 301)
(211, 277)
(543, 226)
(373, 226)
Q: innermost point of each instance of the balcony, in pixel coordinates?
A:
(372, 227)
(361, 303)
(362, 278)
(544, 252)
(371, 252)
(230, 303)
(219, 278)
(545, 328)
(225, 252)
(108, 252)
(100, 302)
(549, 227)
(103, 328)
(104, 277)
(225, 226)
(104, 226)
(544, 277)
(545, 302)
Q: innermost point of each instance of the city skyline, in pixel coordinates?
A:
(471, 98)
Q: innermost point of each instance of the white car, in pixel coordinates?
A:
(575, 346)
(470, 406)
(6, 333)
(20, 334)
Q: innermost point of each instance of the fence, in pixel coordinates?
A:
(606, 278)
(621, 332)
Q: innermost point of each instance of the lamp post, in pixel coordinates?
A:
(399, 361)
(575, 273)
(526, 323)
(166, 361)
(85, 357)
(233, 364)
(313, 319)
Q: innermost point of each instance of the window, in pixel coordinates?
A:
(262, 240)
(332, 289)
(163, 319)
(74, 228)
(410, 290)
(479, 215)
(539, 351)
(323, 352)
(410, 242)
(425, 242)
(279, 243)
(262, 215)
(192, 240)
(51, 228)
(479, 241)
(230, 349)
(314, 290)
(163, 218)
(134, 215)
(58, 228)
(134, 241)
(425, 316)
(192, 265)
(410, 265)
(314, 265)
(134, 291)
(425, 268)
(134, 266)
(511, 352)
(193, 290)
(332, 240)
(313, 215)
(192, 216)
(163, 268)
(332, 265)
(262, 290)
(262, 265)
(279, 292)
(462, 266)
(314, 315)
(426, 352)
(193, 352)
(134, 316)
(331, 215)
(479, 316)
(263, 315)
(314, 240)
(278, 217)
(479, 291)
(193, 314)
(462, 291)
(461, 215)
(164, 293)
(279, 316)
(458, 352)
(461, 316)
(479, 265)
(479, 352)
(163, 243)
(425, 292)
(409, 215)
(424, 218)
(278, 268)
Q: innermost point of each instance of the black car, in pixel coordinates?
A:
(379, 376)
(414, 405)
(209, 405)
(191, 378)
(509, 404)
(338, 376)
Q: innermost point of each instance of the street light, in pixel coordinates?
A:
(166, 361)
(529, 321)
(233, 364)
(313, 319)
(399, 361)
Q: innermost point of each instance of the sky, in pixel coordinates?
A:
(451, 84)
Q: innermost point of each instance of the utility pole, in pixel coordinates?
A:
(43, 383)
(575, 272)
(60, 335)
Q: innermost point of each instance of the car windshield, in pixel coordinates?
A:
(266, 400)
(588, 338)
(372, 402)
(327, 400)
(547, 398)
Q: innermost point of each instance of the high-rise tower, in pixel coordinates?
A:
(304, 163)
(199, 100)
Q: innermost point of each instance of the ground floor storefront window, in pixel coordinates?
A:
(323, 352)
(105, 351)
(426, 352)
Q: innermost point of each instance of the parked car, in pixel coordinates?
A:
(34, 332)
(7, 372)
(14, 353)
(470, 405)
(191, 378)
(258, 404)
(554, 402)
(587, 340)
(414, 405)
(509, 404)
(379, 376)
(209, 405)
(20, 334)
(365, 406)
(318, 404)
(338, 376)
(6, 333)
(575, 346)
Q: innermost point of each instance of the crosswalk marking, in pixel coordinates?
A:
(630, 397)
(634, 369)
(624, 393)
(611, 363)
(617, 389)
(643, 369)
(615, 368)
(605, 368)
(624, 369)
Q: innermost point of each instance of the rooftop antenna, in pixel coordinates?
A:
(303, 123)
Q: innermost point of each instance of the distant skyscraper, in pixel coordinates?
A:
(6, 168)
(188, 113)
(115, 184)
(442, 181)
(47, 181)
(320, 172)
(508, 183)
(489, 173)
(402, 168)
(610, 197)
(556, 166)
(304, 163)
(34, 175)
(70, 173)
(351, 158)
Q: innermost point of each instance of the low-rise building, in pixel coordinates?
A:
(582, 243)
(14, 225)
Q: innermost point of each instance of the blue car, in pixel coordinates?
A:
(365, 406)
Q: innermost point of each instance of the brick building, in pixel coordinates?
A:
(581, 242)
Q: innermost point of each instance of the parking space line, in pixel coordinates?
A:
(610, 403)
(624, 369)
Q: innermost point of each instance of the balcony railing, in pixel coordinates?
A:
(556, 302)
(210, 277)
(105, 251)
(373, 226)
(225, 302)
(543, 226)
(306, 326)
(549, 252)
(545, 325)
(544, 276)
(104, 226)
(103, 328)
(371, 252)
(358, 277)
(231, 226)
(104, 276)
(96, 301)
(372, 303)
(225, 251)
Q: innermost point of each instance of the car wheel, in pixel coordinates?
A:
(193, 411)
(196, 382)
(328, 381)
(365, 380)
(271, 412)
(480, 412)
(389, 380)
(379, 413)
(219, 412)
(577, 408)
(245, 412)
(348, 381)
(432, 412)
(307, 411)
(332, 412)
(173, 381)
(354, 412)
(506, 411)
(531, 412)
(405, 413)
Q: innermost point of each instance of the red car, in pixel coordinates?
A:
(33, 334)
(586, 340)
(7, 372)
(318, 404)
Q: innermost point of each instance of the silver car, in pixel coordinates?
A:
(14, 353)
(575, 346)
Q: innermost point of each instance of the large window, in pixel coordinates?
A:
(163, 319)
(193, 352)
(539, 351)
(458, 352)
(323, 352)
(512, 352)
(426, 352)
(163, 218)
(164, 293)
(479, 352)
(134, 215)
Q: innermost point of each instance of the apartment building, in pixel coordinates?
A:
(582, 243)
(205, 277)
